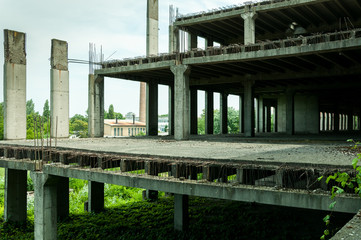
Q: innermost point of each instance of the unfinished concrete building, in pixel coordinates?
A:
(295, 60)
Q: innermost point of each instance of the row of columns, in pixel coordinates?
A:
(15, 87)
(330, 121)
(51, 200)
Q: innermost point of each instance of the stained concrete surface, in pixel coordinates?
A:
(311, 150)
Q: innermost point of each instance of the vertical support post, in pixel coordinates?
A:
(209, 118)
(63, 197)
(182, 102)
(181, 218)
(173, 39)
(256, 109)
(95, 196)
(194, 111)
(241, 113)
(59, 89)
(45, 209)
(15, 195)
(171, 110)
(350, 121)
(290, 112)
(261, 114)
(336, 120)
(248, 108)
(249, 27)
(192, 41)
(91, 105)
(14, 85)
(152, 108)
(99, 106)
(208, 42)
(224, 113)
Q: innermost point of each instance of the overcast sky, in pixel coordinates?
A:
(117, 25)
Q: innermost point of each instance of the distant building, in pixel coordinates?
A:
(163, 124)
(123, 128)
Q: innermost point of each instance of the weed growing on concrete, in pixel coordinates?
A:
(343, 181)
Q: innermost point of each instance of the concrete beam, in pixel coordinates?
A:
(95, 196)
(209, 118)
(182, 102)
(14, 85)
(59, 89)
(15, 195)
(17, 164)
(181, 218)
(224, 113)
(152, 108)
(98, 116)
(263, 195)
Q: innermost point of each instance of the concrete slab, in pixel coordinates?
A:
(314, 150)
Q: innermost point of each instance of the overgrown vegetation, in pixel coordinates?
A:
(232, 121)
(341, 182)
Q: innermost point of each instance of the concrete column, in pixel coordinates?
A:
(59, 89)
(181, 218)
(173, 39)
(171, 110)
(45, 209)
(261, 114)
(91, 105)
(269, 118)
(14, 85)
(15, 195)
(256, 108)
(290, 112)
(98, 106)
(62, 197)
(241, 114)
(182, 101)
(350, 121)
(142, 102)
(248, 108)
(95, 196)
(249, 27)
(194, 111)
(152, 108)
(224, 113)
(208, 42)
(192, 41)
(336, 120)
(209, 118)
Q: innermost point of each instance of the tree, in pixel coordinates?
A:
(46, 110)
(119, 115)
(78, 125)
(232, 122)
(111, 114)
(30, 107)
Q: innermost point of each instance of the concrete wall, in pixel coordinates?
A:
(14, 85)
(306, 114)
(59, 89)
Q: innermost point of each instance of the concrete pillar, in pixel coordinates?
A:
(91, 105)
(182, 92)
(171, 110)
(209, 118)
(181, 218)
(62, 197)
(224, 113)
(45, 209)
(194, 111)
(248, 108)
(249, 27)
(152, 108)
(95, 196)
(15, 195)
(269, 118)
(208, 42)
(261, 114)
(241, 114)
(59, 89)
(192, 41)
(173, 39)
(290, 112)
(350, 121)
(151, 49)
(14, 85)
(336, 121)
(98, 116)
(256, 109)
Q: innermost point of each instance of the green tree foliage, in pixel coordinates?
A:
(30, 107)
(232, 122)
(78, 125)
(111, 114)
(46, 110)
